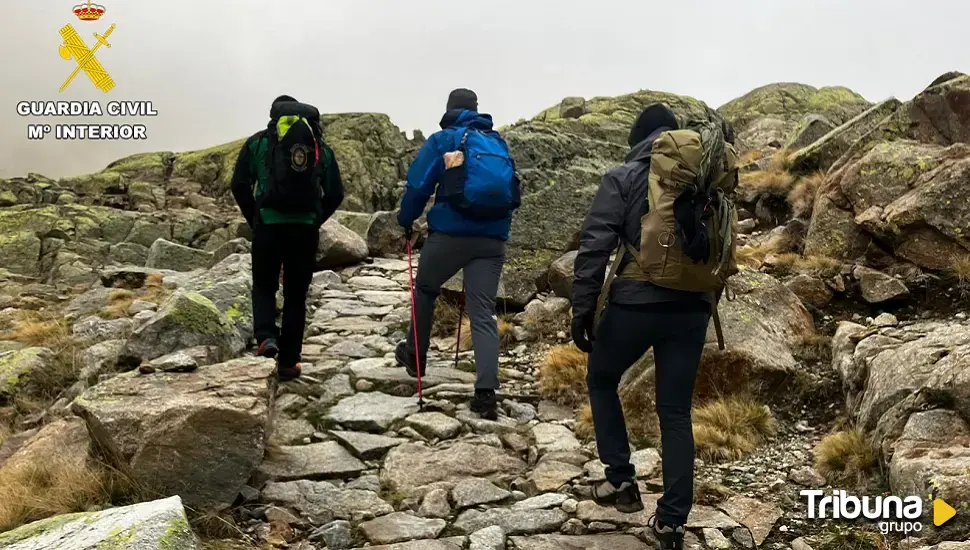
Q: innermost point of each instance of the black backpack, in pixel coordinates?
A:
(296, 159)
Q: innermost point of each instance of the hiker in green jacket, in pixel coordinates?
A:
(287, 184)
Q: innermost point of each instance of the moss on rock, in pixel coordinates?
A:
(789, 101)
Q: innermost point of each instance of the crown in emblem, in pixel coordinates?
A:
(89, 11)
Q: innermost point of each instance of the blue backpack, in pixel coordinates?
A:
(485, 187)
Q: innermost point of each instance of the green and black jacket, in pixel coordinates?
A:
(249, 180)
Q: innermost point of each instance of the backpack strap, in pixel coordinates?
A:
(717, 320)
(460, 139)
(605, 293)
(614, 270)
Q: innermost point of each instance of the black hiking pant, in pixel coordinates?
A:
(294, 248)
(676, 331)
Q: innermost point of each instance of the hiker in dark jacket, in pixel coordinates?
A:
(639, 315)
(284, 241)
(456, 243)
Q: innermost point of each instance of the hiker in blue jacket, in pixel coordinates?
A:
(468, 229)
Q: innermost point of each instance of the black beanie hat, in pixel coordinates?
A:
(463, 99)
(653, 117)
(283, 98)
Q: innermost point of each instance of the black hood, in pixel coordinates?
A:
(463, 117)
(641, 151)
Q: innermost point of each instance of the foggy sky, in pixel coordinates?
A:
(212, 66)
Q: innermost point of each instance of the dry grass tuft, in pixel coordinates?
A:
(751, 156)
(723, 373)
(119, 301)
(960, 270)
(846, 457)
(727, 429)
(584, 424)
(802, 196)
(215, 525)
(816, 348)
(851, 537)
(543, 324)
(781, 160)
(819, 266)
(562, 375)
(4, 434)
(55, 486)
(46, 330)
(754, 185)
(445, 318)
(506, 334)
(709, 493)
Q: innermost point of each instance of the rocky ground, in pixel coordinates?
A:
(129, 394)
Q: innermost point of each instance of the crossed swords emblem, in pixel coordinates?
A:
(75, 47)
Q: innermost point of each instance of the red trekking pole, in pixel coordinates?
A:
(461, 319)
(414, 329)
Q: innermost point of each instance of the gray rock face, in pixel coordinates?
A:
(401, 527)
(572, 107)
(339, 246)
(811, 129)
(435, 504)
(96, 329)
(489, 538)
(18, 367)
(148, 526)
(322, 501)
(548, 500)
(318, 461)
(336, 535)
(434, 425)
(199, 435)
(759, 517)
(550, 475)
(877, 287)
(384, 235)
(228, 285)
(906, 387)
(811, 290)
(512, 522)
(822, 153)
(168, 255)
(452, 543)
(367, 446)
(185, 320)
(762, 325)
(410, 467)
(66, 439)
(552, 438)
(474, 491)
(373, 411)
(931, 455)
(588, 542)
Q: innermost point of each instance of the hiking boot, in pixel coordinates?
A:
(285, 374)
(625, 498)
(669, 537)
(406, 359)
(485, 404)
(268, 348)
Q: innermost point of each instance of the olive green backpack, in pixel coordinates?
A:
(698, 160)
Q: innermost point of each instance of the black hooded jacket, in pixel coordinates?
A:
(614, 215)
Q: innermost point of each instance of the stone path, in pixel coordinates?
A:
(357, 464)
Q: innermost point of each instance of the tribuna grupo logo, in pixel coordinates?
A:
(892, 514)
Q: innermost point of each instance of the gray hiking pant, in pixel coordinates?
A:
(481, 259)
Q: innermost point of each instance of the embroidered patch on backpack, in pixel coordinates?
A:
(299, 157)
